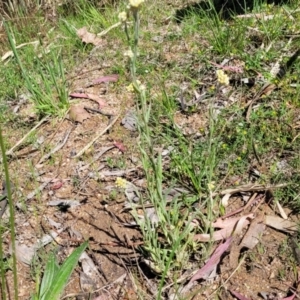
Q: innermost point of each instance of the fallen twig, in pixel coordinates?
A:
(117, 281)
(265, 90)
(230, 276)
(104, 32)
(11, 150)
(38, 189)
(97, 157)
(252, 188)
(58, 147)
(98, 111)
(97, 137)
(10, 53)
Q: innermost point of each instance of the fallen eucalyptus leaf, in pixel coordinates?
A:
(90, 96)
(214, 260)
(88, 37)
(281, 224)
(78, 114)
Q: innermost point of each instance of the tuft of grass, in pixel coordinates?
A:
(47, 85)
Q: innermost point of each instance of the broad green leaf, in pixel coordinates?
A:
(63, 274)
(49, 275)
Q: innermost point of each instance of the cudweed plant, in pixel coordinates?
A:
(171, 254)
(168, 242)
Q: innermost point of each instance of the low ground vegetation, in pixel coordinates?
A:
(166, 134)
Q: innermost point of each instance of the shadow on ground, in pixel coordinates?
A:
(226, 9)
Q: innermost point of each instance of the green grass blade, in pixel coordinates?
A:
(63, 274)
(11, 217)
(51, 270)
(2, 270)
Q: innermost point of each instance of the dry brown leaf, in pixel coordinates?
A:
(281, 210)
(88, 37)
(24, 253)
(229, 222)
(213, 261)
(281, 224)
(228, 228)
(78, 113)
(90, 96)
(254, 233)
(250, 240)
(225, 199)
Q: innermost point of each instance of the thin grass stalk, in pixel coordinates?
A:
(135, 43)
(14, 50)
(3, 282)
(11, 216)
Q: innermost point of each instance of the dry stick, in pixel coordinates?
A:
(118, 280)
(250, 201)
(10, 151)
(97, 157)
(104, 32)
(97, 137)
(11, 54)
(295, 137)
(59, 125)
(234, 271)
(58, 147)
(269, 87)
(39, 189)
(252, 188)
(266, 89)
(98, 111)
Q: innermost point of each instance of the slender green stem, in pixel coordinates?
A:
(3, 283)
(127, 33)
(11, 216)
(135, 45)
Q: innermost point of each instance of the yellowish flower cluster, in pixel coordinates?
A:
(121, 183)
(123, 16)
(130, 87)
(211, 185)
(222, 77)
(128, 53)
(136, 3)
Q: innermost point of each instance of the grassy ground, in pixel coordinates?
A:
(197, 135)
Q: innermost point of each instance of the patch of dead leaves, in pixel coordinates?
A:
(88, 37)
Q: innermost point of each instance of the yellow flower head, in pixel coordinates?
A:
(129, 53)
(222, 77)
(130, 87)
(211, 185)
(135, 3)
(121, 183)
(122, 16)
(142, 87)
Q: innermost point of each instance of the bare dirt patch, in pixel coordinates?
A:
(88, 180)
